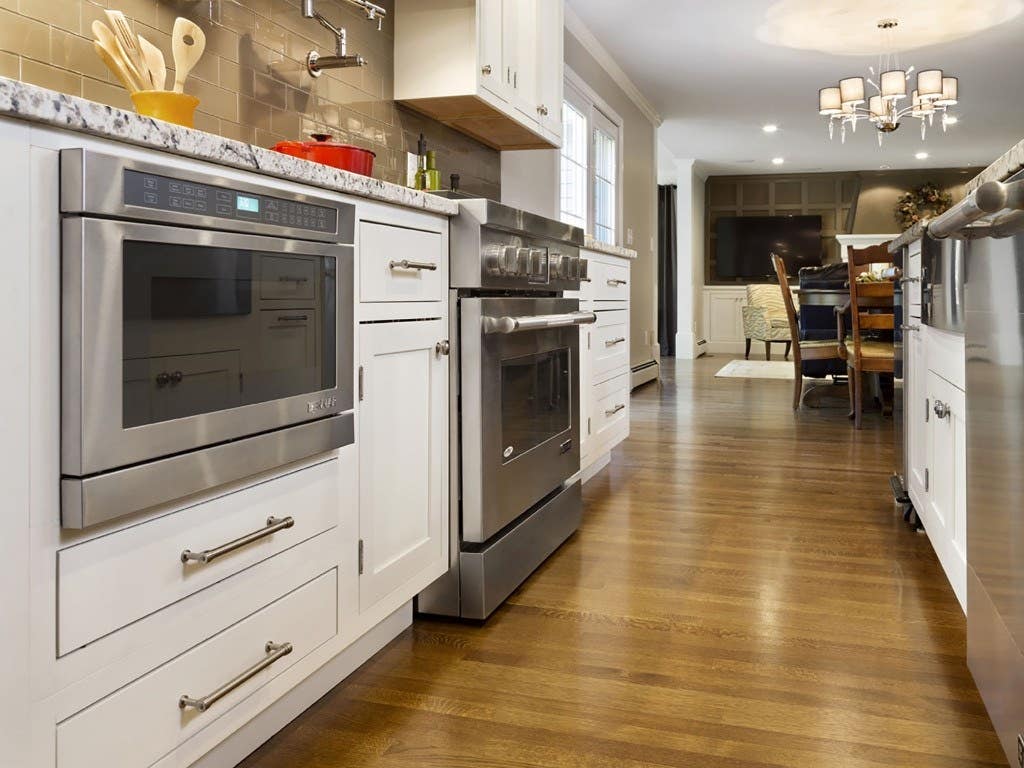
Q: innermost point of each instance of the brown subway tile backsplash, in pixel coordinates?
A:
(252, 81)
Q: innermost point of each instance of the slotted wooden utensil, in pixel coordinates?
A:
(154, 60)
(106, 40)
(130, 45)
(188, 42)
(115, 65)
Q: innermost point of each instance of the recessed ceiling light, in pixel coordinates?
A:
(778, 160)
(921, 155)
(771, 128)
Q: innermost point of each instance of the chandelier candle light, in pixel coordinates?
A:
(844, 104)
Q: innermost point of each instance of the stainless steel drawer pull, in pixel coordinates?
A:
(536, 322)
(615, 281)
(406, 264)
(276, 651)
(209, 555)
(613, 342)
(906, 327)
(616, 409)
(940, 409)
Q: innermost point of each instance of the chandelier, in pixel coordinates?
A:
(844, 105)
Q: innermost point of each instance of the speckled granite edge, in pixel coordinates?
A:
(1007, 165)
(916, 232)
(25, 101)
(612, 250)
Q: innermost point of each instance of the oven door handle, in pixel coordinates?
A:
(536, 322)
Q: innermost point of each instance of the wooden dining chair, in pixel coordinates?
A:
(871, 309)
(826, 349)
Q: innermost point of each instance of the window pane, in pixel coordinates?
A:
(604, 186)
(574, 167)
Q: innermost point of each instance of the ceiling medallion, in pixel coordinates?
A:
(842, 105)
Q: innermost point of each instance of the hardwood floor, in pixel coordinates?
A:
(741, 593)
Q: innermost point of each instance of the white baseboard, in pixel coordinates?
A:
(689, 346)
(644, 373)
(595, 466)
(253, 734)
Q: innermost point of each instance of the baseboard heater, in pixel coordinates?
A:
(643, 373)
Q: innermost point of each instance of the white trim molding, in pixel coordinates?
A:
(574, 24)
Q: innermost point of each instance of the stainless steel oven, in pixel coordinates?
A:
(520, 390)
(515, 402)
(206, 332)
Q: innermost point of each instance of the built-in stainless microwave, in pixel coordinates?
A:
(206, 332)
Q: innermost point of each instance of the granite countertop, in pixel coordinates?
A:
(591, 244)
(25, 101)
(1000, 170)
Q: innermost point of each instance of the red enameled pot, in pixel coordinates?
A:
(323, 149)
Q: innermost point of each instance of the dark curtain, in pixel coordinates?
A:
(667, 269)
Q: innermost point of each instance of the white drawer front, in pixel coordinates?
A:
(609, 282)
(111, 581)
(609, 345)
(611, 411)
(142, 722)
(946, 356)
(399, 264)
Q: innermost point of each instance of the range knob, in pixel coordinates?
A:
(492, 257)
(522, 262)
(537, 262)
(508, 260)
(556, 264)
(584, 270)
(572, 271)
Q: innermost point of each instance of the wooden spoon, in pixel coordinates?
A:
(130, 45)
(188, 42)
(154, 59)
(132, 78)
(115, 65)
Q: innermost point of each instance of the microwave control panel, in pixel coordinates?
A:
(164, 193)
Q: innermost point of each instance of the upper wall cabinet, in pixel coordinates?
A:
(491, 69)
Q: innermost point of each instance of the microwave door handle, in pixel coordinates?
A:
(536, 322)
(989, 198)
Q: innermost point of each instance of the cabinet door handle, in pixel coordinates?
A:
(543, 110)
(406, 264)
(515, 79)
(906, 327)
(442, 348)
(613, 342)
(940, 409)
(275, 651)
(209, 555)
(486, 69)
(614, 281)
(616, 409)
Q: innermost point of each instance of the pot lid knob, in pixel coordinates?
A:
(322, 137)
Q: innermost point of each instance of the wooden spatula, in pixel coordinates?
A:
(154, 59)
(130, 45)
(116, 66)
(123, 68)
(188, 42)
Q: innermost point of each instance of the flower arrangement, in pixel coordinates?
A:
(925, 202)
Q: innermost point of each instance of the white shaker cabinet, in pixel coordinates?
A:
(402, 437)
(491, 69)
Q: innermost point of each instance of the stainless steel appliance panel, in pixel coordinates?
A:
(97, 433)
(994, 296)
(942, 283)
(519, 395)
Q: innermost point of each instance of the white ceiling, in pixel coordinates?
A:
(716, 73)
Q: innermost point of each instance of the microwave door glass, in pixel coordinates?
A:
(209, 329)
(535, 400)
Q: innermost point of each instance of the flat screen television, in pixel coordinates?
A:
(744, 245)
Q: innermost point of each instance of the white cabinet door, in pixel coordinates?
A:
(550, 35)
(725, 318)
(915, 403)
(519, 55)
(491, 59)
(403, 435)
(946, 516)
(586, 382)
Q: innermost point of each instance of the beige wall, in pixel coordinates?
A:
(879, 192)
(252, 81)
(639, 194)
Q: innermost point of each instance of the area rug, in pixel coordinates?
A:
(757, 369)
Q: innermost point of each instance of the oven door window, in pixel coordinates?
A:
(208, 329)
(535, 395)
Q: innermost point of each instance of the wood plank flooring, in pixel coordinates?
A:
(741, 593)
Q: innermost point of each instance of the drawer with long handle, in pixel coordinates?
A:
(113, 580)
(400, 264)
(148, 718)
(609, 282)
(610, 416)
(609, 345)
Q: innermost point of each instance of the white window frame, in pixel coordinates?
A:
(598, 112)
